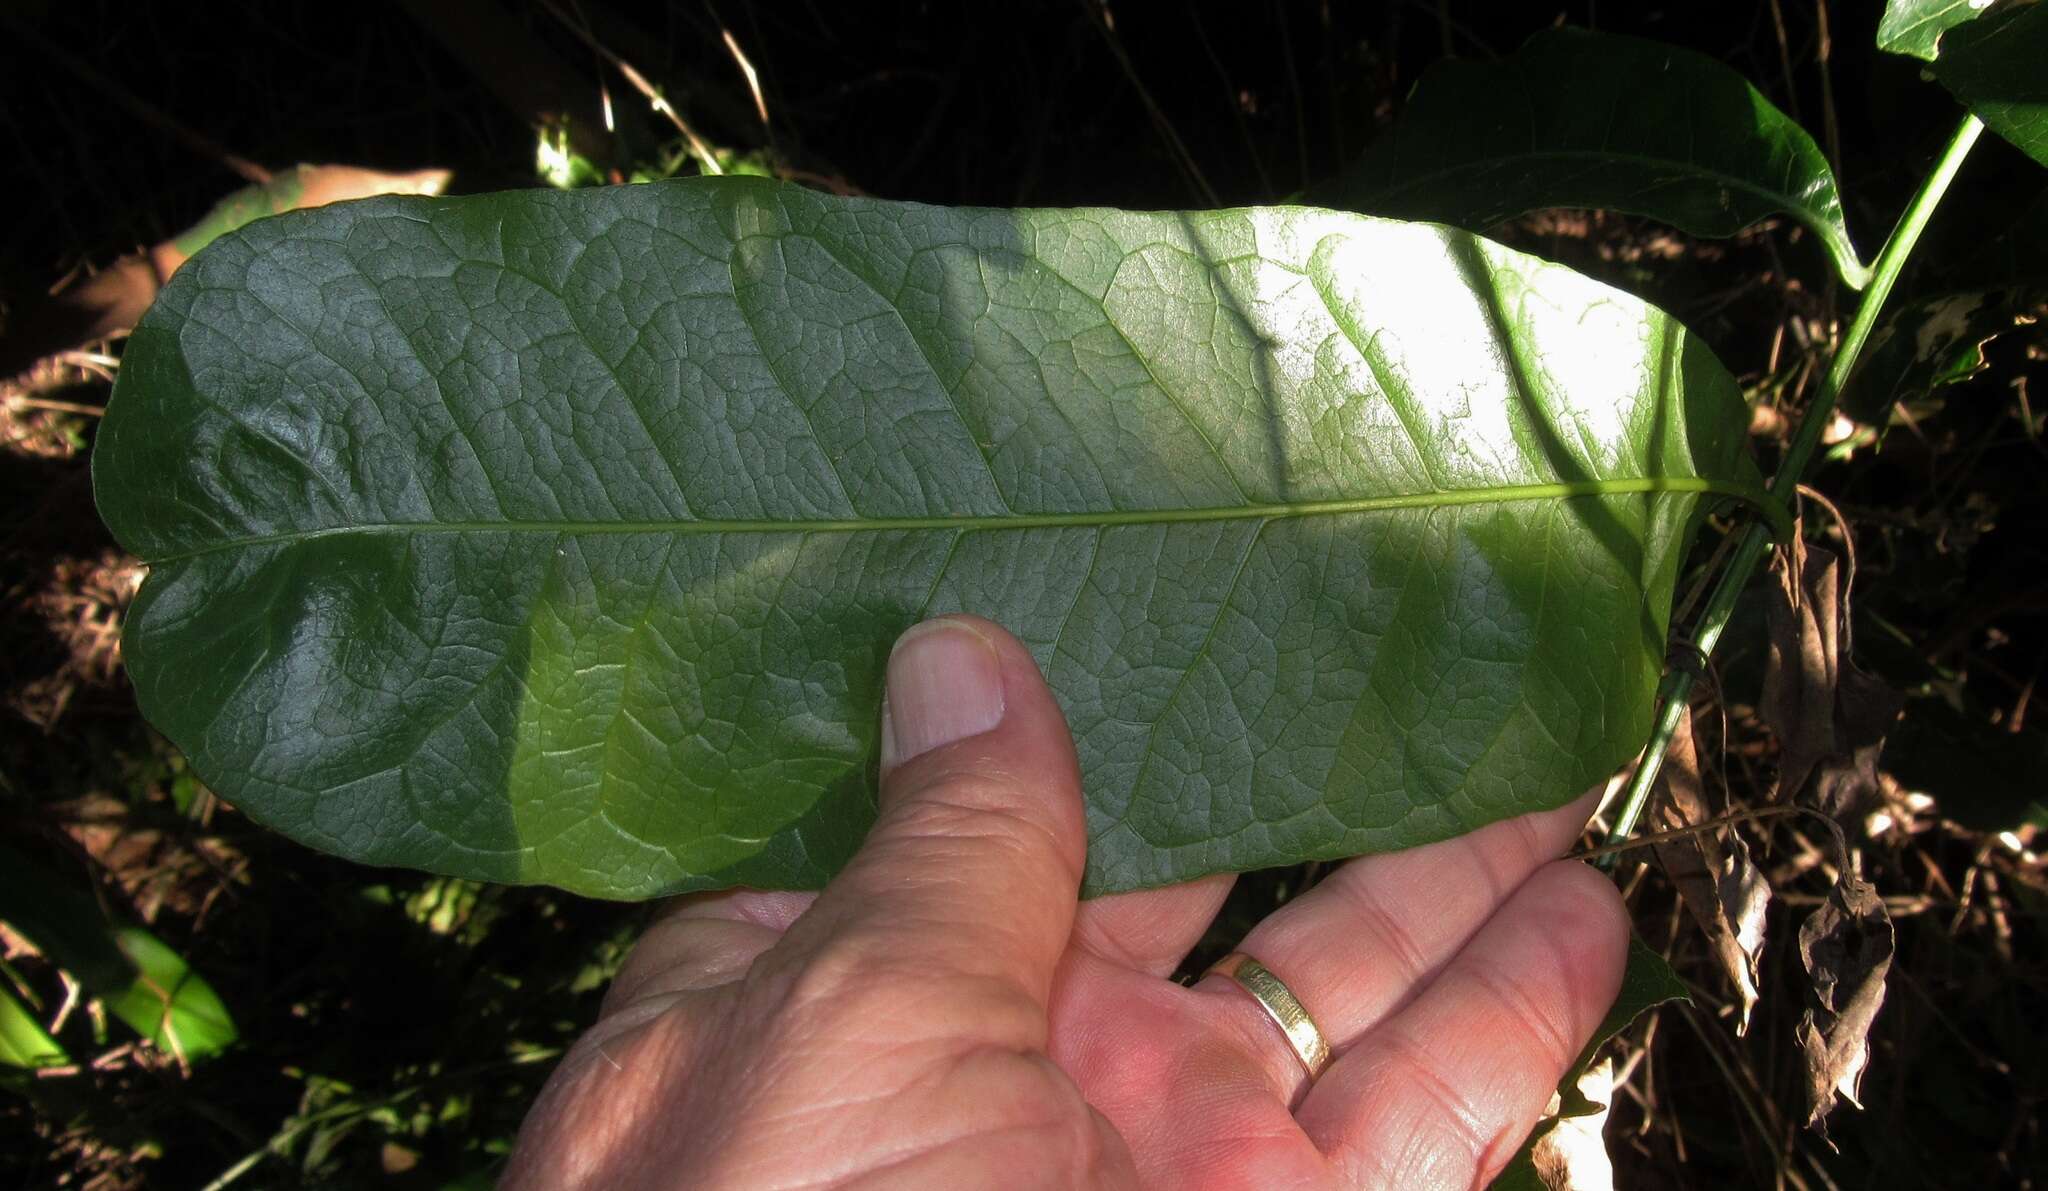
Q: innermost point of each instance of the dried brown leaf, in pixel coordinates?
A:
(1718, 882)
(1572, 1156)
(1847, 946)
(110, 301)
(1830, 716)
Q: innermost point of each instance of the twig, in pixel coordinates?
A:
(1785, 60)
(72, 990)
(1701, 828)
(706, 160)
(732, 46)
(1830, 126)
(62, 407)
(1186, 160)
(1230, 99)
(146, 112)
(1330, 44)
(1755, 1106)
(1300, 105)
(1677, 685)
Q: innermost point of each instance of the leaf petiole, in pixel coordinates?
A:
(1677, 687)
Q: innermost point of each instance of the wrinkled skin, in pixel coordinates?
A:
(947, 1014)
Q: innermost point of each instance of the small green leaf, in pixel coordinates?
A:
(167, 1002)
(1582, 119)
(1926, 345)
(562, 537)
(1914, 27)
(141, 980)
(1998, 67)
(23, 1040)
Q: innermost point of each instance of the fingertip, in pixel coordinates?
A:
(1563, 825)
(1591, 919)
(967, 718)
(945, 684)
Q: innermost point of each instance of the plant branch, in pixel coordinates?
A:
(1162, 125)
(1677, 686)
(1701, 828)
(197, 142)
(706, 159)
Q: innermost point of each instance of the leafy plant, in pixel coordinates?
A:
(1456, 153)
(534, 537)
(1915, 27)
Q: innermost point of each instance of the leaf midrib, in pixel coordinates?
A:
(1098, 518)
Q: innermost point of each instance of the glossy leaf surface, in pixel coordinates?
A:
(1914, 27)
(563, 537)
(1582, 119)
(1998, 67)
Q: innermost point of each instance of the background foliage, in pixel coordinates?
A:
(390, 1025)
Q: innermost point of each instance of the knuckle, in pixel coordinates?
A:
(1042, 1100)
(977, 814)
(1526, 1018)
(1395, 937)
(1455, 1116)
(1590, 901)
(1529, 841)
(832, 971)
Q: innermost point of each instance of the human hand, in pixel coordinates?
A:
(946, 1014)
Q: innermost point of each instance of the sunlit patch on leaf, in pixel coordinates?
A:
(562, 536)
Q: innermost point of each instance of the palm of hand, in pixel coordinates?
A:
(946, 1015)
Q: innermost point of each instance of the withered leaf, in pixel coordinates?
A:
(1572, 1156)
(1847, 947)
(1718, 882)
(1830, 716)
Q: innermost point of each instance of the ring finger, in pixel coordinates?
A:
(1360, 944)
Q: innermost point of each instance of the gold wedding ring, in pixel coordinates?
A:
(1282, 1006)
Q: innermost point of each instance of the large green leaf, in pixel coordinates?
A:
(1998, 67)
(563, 537)
(1582, 119)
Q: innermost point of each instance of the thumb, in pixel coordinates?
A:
(972, 870)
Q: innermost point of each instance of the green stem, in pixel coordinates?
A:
(1756, 539)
